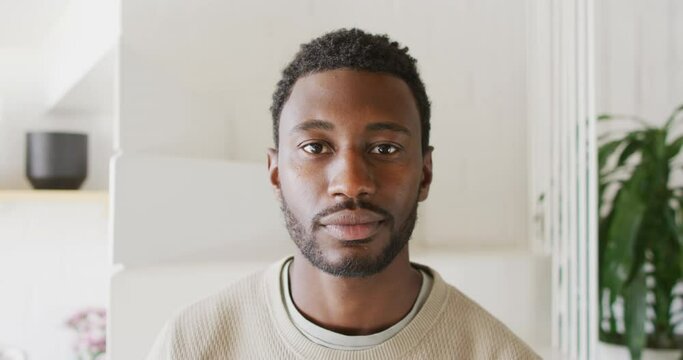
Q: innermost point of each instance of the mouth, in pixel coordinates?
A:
(352, 225)
(353, 232)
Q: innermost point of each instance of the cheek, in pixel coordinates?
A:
(301, 188)
(403, 179)
(402, 191)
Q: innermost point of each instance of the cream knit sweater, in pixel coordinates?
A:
(248, 320)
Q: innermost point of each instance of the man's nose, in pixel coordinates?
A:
(351, 176)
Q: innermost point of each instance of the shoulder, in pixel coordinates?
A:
(210, 324)
(243, 295)
(485, 334)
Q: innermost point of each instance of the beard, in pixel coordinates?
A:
(349, 266)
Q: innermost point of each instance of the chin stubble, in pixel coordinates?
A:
(349, 266)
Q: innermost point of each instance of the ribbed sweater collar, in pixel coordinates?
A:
(398, 346)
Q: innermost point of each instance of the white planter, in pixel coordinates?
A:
(617, 352)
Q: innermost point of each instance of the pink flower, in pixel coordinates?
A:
(91, 328)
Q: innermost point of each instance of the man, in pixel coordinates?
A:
(350, 164)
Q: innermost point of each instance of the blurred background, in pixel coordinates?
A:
(174, 95)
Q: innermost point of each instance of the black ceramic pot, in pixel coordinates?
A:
(56, 160)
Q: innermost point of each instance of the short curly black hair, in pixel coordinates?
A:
(357, 50)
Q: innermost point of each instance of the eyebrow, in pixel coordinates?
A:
(313, 124)
(325, 125)
(387, 126)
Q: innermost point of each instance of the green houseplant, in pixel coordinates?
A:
(640, 238)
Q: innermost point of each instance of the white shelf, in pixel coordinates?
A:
(54, 195)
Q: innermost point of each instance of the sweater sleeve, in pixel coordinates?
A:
(162, 349)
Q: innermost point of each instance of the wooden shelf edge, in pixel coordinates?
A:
(56, 195)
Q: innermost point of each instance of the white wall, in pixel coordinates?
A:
(53, 263)
(86, 31)
(197, 79)
(639, 57)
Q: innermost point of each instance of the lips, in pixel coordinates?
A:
(352, 225)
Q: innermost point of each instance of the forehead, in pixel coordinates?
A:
(350, 97)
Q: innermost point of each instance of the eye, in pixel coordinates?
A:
(385, 149)
(316, 148)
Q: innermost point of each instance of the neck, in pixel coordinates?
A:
(355, 306)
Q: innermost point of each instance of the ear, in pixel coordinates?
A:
(274, 172)
(426, 174)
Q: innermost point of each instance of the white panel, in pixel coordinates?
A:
(591, 246)
(558, 321)
(570, 175)
(539, 110)
(587, 273)
(173, 209)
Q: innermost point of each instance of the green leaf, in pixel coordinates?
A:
(666, 253)
(659, 137)
(629, 150)
(670, 217)
(601, 190)
(673, 116)
(622, 237)
(634, 140)
(612, 317)
(635, 312)
(603, 228)
(609, 117)
(674, 147)
(677, 227)
(605, 151)
(643, 224)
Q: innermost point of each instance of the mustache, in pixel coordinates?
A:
(351, 204)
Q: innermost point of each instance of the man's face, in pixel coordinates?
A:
(350, 170)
